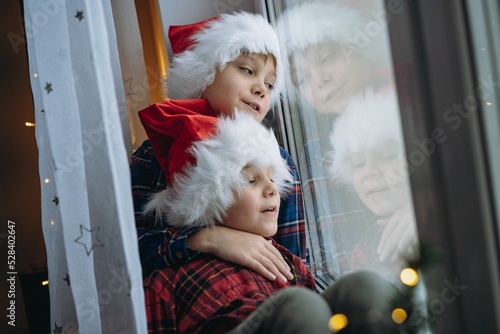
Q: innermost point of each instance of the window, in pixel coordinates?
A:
(353, 165)
(440, 60)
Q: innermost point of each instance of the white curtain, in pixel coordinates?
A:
(84, 143)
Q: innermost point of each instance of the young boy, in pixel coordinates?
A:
(232, 61)
(369, 155)
(229, 172)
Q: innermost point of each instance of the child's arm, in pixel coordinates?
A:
(159, 247)
(399, 236)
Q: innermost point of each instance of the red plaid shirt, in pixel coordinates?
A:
(210, 295)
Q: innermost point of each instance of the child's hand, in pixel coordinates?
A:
(399, 238)
(243, 248)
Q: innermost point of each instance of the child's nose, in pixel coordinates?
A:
(271, 189)
(259, 88)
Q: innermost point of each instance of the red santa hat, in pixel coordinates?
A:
(370, 120)
(203, 48)
(203, 157)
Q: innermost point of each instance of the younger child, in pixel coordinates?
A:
(229, 172)
(369, 155)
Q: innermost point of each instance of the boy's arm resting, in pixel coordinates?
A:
(159, 247)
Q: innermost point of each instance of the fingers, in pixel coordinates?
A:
(272, 268)
(248, 250)
(398, 235)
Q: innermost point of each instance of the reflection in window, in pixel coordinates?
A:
(349, 145)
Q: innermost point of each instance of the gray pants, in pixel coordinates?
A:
(363, 297)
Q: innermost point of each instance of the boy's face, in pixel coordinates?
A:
(329, 74)
(244, 83)
(380, 178)
(256, 209)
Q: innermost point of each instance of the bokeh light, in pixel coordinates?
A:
(409, 276)
(399, 315)
(337, 322)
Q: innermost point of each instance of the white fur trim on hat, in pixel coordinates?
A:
(369, 121)
(223, 41)
(314, 22)
(201, 194)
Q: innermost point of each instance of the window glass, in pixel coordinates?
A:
(342, 107)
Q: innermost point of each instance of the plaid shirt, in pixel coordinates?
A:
(161, 247)
(210, 295)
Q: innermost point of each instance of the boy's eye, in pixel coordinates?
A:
(269, 86)
(251, 181)
(329, 56)
(302, 80)
(247, 70)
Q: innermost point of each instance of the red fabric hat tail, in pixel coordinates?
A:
(181, 37)
(172, 126)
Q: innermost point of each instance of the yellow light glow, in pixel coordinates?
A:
(46, 180)
(46, 282)
(35, 75)
(29, 124)
(52, 222)
(399, 315)
(409, 276)
(337, 322)
(489, 103)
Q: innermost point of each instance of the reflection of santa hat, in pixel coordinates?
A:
(315, 22)
(203, 48)
(369, 121)
(203, 157)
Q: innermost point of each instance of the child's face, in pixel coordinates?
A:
(244, 83)
(256, 209)
(328, 75)
(380, 178)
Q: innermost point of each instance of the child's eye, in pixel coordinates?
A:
(302, 80)
(247, 70)
(251, 181)
(357, 164)
(269, 86)
(330, 56)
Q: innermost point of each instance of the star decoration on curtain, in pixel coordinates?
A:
(129, 91)
(56, 200)
(48, 87)
(89, 239)
(66, 279)
(62, 54)
(57, 329)
(79, 15)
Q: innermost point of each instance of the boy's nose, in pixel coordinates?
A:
(271, 189)
(259, 89)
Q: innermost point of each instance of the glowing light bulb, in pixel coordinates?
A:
(337, 322)
(52, 222)
(409, 276)
(46, 282)
(489, 103)
(35, 75)
(46, 180)
(29, 124)
(399, 315)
